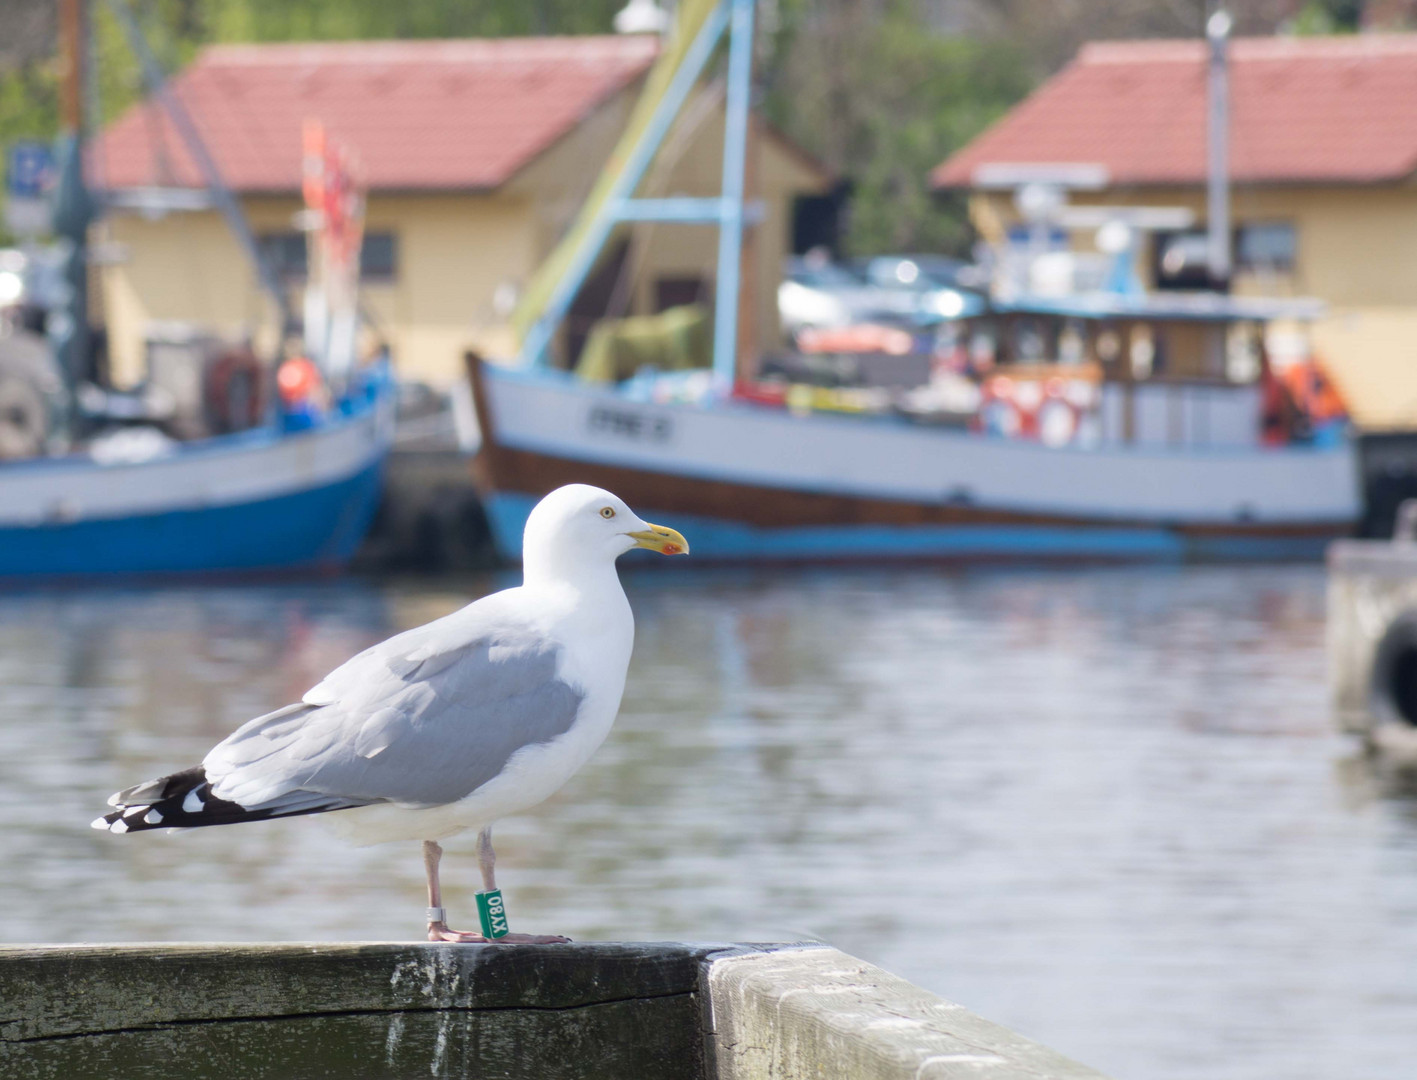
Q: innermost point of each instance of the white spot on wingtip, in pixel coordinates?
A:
(119, 826)
(99, 823)
(193, 804)
(153, 817)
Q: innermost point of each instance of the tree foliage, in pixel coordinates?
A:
(882, 99)
(880, 90)
(30, 69)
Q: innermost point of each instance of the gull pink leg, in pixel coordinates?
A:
(437, 926)
(487, 863)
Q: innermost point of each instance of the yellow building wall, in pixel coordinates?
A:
(461, 257)
(557, 182)
(184, 267)
(453, 252)
(1357, 251)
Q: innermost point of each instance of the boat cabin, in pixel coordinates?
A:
(1178, 370)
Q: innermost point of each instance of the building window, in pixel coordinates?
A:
(1266, 246)
(1180, 260)
(285, 251)
(285, 254)
(379, 257)
(672, 292)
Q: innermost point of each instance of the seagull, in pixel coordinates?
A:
(446, 727)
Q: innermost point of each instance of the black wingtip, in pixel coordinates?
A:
(183, 800)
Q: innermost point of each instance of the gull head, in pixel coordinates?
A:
(582, 526)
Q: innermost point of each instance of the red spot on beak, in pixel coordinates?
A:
(671, 549)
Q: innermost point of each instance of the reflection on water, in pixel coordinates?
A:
(1104, 807)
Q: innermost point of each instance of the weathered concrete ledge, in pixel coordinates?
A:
(817, 1012)
(637, 1011)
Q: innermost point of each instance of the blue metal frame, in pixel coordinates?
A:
(683, 210)
(728, 212)
(730, 228)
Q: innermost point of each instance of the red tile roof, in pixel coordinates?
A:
(1316, 110)
(418, 115)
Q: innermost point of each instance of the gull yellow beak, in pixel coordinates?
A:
(658, 538)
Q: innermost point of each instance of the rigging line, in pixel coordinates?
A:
(225, 199)
(682, 136)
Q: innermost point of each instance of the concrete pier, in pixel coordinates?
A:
(631, 1011)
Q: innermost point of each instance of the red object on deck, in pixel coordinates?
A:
(298, 380)
(761, 393)
(864, 338)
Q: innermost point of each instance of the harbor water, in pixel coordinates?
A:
(1105, 807)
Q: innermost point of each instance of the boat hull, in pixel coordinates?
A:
(842, 489)
(252, 503)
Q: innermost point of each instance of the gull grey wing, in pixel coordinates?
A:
(421, 728)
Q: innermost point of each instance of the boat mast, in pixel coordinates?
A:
(1217, 32)
(71, 42)
(68, 323)
(576, 258)
(735, 165)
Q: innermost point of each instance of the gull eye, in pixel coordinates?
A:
(607, 512)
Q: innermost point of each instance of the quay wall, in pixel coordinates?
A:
(600, 1010)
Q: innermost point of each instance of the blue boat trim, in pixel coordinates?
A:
(289, 525)
(715, 539)
(313, 528)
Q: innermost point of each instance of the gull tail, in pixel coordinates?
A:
(184, 800)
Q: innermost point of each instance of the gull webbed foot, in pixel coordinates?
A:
(438, 931)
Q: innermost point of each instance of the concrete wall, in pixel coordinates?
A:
(522, 1012)
(809, 1013)
(1357, 250)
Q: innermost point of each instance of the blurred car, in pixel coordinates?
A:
(919, 273)
(948, 288)
(819, 294)
(815, 293)
(12, 277)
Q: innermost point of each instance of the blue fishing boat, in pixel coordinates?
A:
(257, 501)
(275, 466)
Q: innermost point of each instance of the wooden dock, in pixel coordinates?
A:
(631, 1011)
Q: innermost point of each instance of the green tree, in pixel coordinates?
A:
(882, 98)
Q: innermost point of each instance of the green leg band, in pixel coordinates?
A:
(492, 913)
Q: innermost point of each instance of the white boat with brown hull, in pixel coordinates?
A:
(756, 482)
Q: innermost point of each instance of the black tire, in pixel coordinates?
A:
(1393, 689)
(30, 395)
